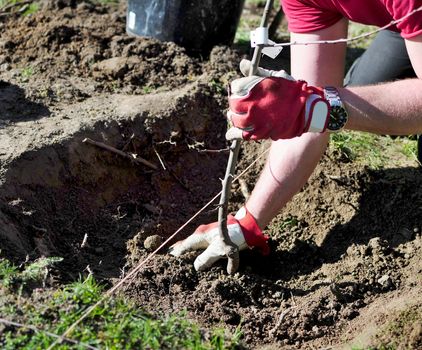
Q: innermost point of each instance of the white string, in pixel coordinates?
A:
(346, 40)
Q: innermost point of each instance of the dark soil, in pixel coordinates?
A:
(346, 251)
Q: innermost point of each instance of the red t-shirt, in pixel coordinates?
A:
(308, 15)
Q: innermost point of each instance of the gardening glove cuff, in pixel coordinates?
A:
(252, 233)
(242, 229)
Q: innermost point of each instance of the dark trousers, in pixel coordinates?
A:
(386, 59)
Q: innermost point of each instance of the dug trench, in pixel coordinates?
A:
(345, 252)
(58, 190)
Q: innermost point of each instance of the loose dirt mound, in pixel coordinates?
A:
(53, 94)
(335, 252)
(347, 244)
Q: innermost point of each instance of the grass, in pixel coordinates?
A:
(361, 147)
(4, 3)
(26, 73)
(7, 272)
(409, 148)
(117, 324)
(375, 151)
(289, 223)
(25, 9)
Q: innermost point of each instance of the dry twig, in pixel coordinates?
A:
(84, 241)
(159, 158)
(283, 314)
(136, 159)
(280, 319)
(223, 150)
(171, 172)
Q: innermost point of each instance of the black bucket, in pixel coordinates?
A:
(197, 25)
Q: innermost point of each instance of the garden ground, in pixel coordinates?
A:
(345, 267)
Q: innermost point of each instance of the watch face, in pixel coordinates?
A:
(338, 118)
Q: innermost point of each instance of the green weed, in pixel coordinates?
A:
(360, 146)
(218, 86)
(410, 148)
(7, 272)
(35, 272)
(289, 222)
(115, 324)
(147, 90)
(4, 3)
(25, 9)
(26, 73)
(32, 8)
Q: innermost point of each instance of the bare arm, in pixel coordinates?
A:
(391, 108)
(291, 162)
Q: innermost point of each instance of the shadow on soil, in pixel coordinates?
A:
(16, 107)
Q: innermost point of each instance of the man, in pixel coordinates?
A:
(299, 114)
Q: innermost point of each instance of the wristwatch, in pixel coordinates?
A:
(337, 114)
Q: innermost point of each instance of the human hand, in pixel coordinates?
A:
(272, 104)
(242, 229)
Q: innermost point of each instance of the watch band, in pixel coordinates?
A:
(331, 94)
(338, 114)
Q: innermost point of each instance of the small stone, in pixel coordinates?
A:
(416, 229)
(266, 302)
(359, 303)
(152, 242)
(4, 67)
(317, 331)
(375, 243)
(385, 281)
(277, 295)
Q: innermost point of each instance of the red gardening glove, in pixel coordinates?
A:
(273, 105)
(243, 231)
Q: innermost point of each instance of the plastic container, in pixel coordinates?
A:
(197, 25)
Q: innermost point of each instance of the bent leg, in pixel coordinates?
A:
(386, 59)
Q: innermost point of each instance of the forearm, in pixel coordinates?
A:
(291, 162)
(289, 165)
(392, 108)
